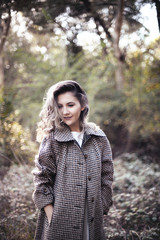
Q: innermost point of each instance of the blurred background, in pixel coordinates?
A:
(112, 48)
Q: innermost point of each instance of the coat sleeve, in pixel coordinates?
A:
(106, 176)
(44, 175)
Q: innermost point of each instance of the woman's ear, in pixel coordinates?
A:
(82, 108)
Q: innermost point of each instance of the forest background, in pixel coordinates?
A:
(104, 46)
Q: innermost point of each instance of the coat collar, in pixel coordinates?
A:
(64, 134)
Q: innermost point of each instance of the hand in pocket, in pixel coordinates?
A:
(49, 211)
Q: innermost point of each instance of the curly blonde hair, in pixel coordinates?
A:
(49, 115)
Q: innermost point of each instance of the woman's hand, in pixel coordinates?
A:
(49, 211)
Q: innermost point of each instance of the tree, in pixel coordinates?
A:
(5, 20)
(107, 15)
(6, 9)
(120, 56)
(47, 16)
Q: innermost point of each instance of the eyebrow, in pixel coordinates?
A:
(66, 103)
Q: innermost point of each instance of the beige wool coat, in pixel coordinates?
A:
(65, 175)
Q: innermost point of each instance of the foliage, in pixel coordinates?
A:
(143, 72)
(15, 141)
(136, 210)
(27, 74)
(131, 115)
(49, 16)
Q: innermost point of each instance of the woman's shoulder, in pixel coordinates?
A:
(93, 129)
(49, 137)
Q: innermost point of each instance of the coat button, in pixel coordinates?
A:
(85, 156)
(76, 227)
(92, 219)
(80, 163)
(89, 178)
(45, 190)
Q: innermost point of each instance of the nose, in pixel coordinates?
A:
(65, 111)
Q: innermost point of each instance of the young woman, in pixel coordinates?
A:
(74, 170)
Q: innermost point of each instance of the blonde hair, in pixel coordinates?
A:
(49, 115)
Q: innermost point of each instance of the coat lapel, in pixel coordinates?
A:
(64, 134)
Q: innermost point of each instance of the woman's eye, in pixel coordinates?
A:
(70, 105)
(59, 106)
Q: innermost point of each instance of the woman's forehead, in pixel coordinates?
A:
(66, 97)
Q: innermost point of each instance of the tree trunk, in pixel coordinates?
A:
(119, 75)
(120, 56)
(5, 26)
(157, 3)
(1, 72)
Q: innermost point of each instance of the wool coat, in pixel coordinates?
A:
(65, 176)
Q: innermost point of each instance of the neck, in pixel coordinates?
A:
(76, 129)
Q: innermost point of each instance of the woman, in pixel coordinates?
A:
(74, 169)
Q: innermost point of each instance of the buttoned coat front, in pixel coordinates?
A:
(65, 176)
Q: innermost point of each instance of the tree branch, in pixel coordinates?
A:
(97, 18)
(2, 155)
(6, 30)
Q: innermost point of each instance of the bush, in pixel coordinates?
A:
(15, 141)
(18, 213)
(136, 210)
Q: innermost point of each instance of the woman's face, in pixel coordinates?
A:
(70, 110)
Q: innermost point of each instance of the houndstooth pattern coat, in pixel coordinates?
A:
(64, 176)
